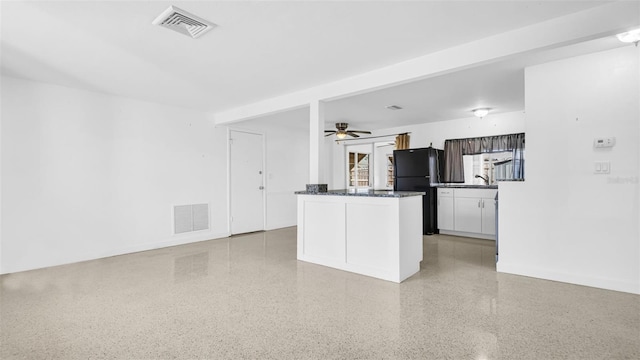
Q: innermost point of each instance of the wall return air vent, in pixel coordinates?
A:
(183, 22)
(187, 218)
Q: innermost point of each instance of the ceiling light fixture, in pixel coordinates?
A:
(341, 134)
(482, 112)
(632, 36)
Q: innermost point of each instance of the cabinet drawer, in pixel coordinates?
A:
(445, 192)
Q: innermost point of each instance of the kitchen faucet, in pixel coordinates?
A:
(486, 179)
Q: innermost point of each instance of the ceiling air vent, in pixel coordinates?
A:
(183, 22)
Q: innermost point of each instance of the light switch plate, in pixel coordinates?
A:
(602, 167)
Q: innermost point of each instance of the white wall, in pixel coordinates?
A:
(286, 162)
(335, 158)
(564, 222)
(287, 167)
(87, 175)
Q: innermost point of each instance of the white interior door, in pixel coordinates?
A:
(246, 182)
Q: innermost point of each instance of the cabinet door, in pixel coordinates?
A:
(468, 215)
(488, 216)
(445, 213)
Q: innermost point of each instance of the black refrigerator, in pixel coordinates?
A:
(420, 170)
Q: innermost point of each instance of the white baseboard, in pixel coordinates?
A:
(280, 226)
(601, 283)
(120, 251)
(172, 242)
(468, 234)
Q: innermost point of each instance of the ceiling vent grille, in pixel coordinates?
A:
(183, 22)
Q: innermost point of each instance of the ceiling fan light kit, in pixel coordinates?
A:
(341, 131)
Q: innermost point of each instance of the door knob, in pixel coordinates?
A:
(261, 188)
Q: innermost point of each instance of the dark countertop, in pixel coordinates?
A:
(463, 186)
(369, 193)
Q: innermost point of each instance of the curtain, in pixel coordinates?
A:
(453, 165)
(455, 149)
(490, 144)
(402, 142)
(518, 157)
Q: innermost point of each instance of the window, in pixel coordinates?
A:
(358, 169)
(369, 166)
(494, 167)
(456, 149)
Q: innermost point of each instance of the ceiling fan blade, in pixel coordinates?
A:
(360, 131)
(329, 134)
(351, 133)
(330, 131)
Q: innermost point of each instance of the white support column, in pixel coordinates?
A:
(316, 142)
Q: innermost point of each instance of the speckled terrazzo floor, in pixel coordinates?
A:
(247, 297)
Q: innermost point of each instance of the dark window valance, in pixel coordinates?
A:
(454, 150)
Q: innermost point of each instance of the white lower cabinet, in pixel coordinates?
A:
(467, 215)
(468, 212)
(445, 209)
(489, 216)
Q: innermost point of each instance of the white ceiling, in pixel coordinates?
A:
(451, 96)
(264, 49)
(498, 86)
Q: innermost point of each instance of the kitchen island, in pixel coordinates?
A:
(376, 233)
